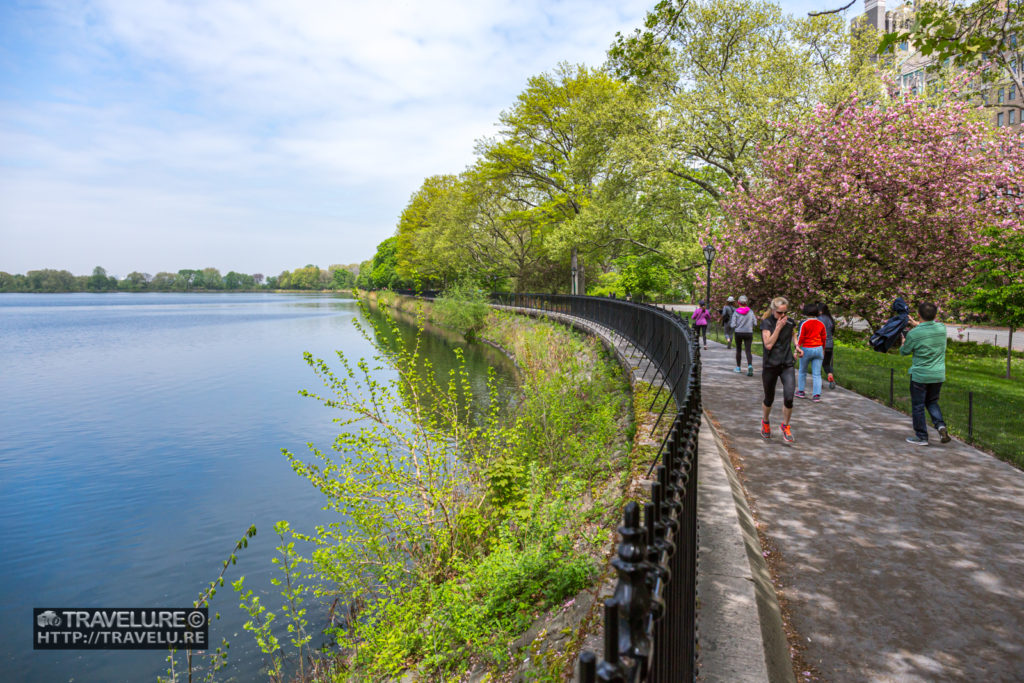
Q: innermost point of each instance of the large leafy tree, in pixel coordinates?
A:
(426, 249)
(859, 204)
(571, 142)
(720, 71)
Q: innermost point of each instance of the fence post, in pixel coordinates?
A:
(970, 416)
(588, 667)
(892, 382)
(609, 669)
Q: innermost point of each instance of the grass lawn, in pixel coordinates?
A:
(998, 403)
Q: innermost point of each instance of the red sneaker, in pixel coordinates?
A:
(787, 435)
(766, 430)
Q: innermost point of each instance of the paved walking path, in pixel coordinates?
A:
(895, 562)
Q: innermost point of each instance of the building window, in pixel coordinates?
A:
(1000, 95)
(1013, 92)
(999, 119)
(1013, 117)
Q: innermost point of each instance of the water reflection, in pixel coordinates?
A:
(395, 330)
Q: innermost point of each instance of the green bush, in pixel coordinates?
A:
(463, 308)
(453, 535)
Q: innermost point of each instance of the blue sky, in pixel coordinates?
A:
(255, 135)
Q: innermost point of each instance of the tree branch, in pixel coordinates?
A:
(833, 11)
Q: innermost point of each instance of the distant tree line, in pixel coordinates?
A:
(310, 277)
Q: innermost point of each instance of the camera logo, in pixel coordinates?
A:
(48, 618)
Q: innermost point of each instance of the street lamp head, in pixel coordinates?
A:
(709, 253)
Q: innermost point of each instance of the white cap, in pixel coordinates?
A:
(730, 300)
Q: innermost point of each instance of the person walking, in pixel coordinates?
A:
(777, 363)
(726, 317)
(742, 323)
(811, 341)
(830, 330)
(701, 318)
(926, 344)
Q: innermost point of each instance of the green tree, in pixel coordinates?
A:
(100, 282)
(997, 289)
(11, 282)
(341, 277)
(307, 277)
(722, 72)
(188, 279)
(383, 268)
(424, 246)
(163, 281)
(211, 279)
(572, 141)
(50, 280)
(135, 282)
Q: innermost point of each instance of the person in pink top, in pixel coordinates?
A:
(701, 318)
(811, 339)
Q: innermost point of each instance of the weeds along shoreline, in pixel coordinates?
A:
(462, 547)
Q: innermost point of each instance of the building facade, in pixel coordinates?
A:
(914, 72)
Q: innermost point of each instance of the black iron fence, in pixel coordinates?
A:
(650, 621)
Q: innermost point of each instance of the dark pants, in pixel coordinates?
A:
(925, 397)
(771, 375)
(826, 364)
(702, 331)
(744, 339)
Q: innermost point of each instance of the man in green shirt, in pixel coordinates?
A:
(927, 343)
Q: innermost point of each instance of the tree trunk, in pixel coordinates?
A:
(1009, 352)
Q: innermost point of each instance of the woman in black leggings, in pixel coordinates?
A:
(743, 320)
(777, 335)
(701, 317)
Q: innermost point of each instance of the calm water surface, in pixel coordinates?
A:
(140, 435)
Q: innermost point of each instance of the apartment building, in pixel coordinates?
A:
(1005, 102)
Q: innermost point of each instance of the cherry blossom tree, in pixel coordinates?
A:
(868, 201)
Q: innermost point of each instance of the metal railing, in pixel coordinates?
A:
(650, 621)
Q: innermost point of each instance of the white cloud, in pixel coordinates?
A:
(308, 121)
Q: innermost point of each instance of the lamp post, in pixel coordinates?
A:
(575, 285)
(709, 256)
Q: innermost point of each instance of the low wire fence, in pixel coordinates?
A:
(977, 415)
(650, 621)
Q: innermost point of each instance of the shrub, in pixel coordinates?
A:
(463, 308)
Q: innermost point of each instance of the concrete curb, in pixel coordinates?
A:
(736, 580)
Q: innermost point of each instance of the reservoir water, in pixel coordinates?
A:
(140, 435)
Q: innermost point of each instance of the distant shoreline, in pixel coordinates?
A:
(193, 291)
